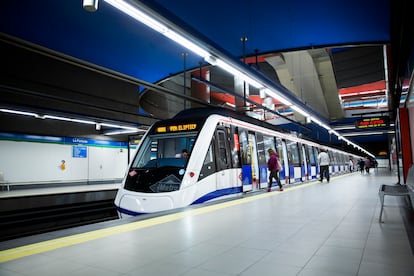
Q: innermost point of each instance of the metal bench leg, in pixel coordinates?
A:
(381, 196)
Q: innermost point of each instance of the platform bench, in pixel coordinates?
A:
(398, 190)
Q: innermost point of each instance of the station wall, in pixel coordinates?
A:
(47, 160)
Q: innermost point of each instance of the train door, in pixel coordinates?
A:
(246, 160)
(255, 161)
(225, 179)
(284, 172)
(304, 163)
(295, 170)
(312, 162)
(262, 178)
(317, 167)
(332, 164)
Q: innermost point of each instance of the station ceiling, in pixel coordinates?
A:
(337, 58)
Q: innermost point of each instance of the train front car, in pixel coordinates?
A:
(159, 169)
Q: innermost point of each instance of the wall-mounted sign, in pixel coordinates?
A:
(79, 151)
(372, 122)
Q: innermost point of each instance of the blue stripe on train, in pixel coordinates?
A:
(218, 193)
(207, 197)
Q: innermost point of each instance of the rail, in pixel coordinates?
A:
(21, 223)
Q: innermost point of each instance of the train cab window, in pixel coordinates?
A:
(209, 166)
(164, 151)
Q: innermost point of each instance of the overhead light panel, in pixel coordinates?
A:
(68, 119)
(156, 25)
(278, 97)
(138, 15)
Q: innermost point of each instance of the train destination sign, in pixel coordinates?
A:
(176, 128)
(372, 122)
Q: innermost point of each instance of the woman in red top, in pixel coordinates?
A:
(273, 166)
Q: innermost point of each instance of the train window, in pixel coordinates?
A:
(261, 149)
(316, 153)
(235, 147)
(331, 157)
(293, 153)
(222, 158)
(312, 157)
(244, 147)
(279, 148)
(208, 164)
(269, 142)
(164, 150)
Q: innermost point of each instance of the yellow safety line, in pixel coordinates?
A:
(40, 247)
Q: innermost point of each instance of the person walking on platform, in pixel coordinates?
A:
(361, 164)
(367, 165)
(274, 168)
(323, 160)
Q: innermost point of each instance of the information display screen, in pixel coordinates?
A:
(176, 128)
(372, 122)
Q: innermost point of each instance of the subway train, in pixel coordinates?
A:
(205, 154)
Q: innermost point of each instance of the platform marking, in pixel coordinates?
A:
(45, 246)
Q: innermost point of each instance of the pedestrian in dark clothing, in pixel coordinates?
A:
(274, 168)
(361, 165)
(367, 165)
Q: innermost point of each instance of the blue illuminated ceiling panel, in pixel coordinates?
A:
(112, 40)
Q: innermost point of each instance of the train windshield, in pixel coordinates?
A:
(164, 150)
(160, 162)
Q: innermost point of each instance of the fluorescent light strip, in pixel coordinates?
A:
(368, 133)
(299, 110)
(320, 123)
(166, 31)
(223, 65)
(186, 43)
(273, 94)
(19, 112)
(68, 119)
(140, 16)
(116, 132)
(119, 126)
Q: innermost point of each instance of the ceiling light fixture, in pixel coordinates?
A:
(68, 119)
(117, 132)
(19, 112)
(90, 5)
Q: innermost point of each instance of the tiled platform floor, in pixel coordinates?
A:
(318, 229)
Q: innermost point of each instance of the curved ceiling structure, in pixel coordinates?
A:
(332, 58)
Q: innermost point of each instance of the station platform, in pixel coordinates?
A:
(310, 229)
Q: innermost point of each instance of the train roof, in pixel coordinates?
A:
(202, 113)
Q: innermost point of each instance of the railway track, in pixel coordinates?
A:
(31, 221)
